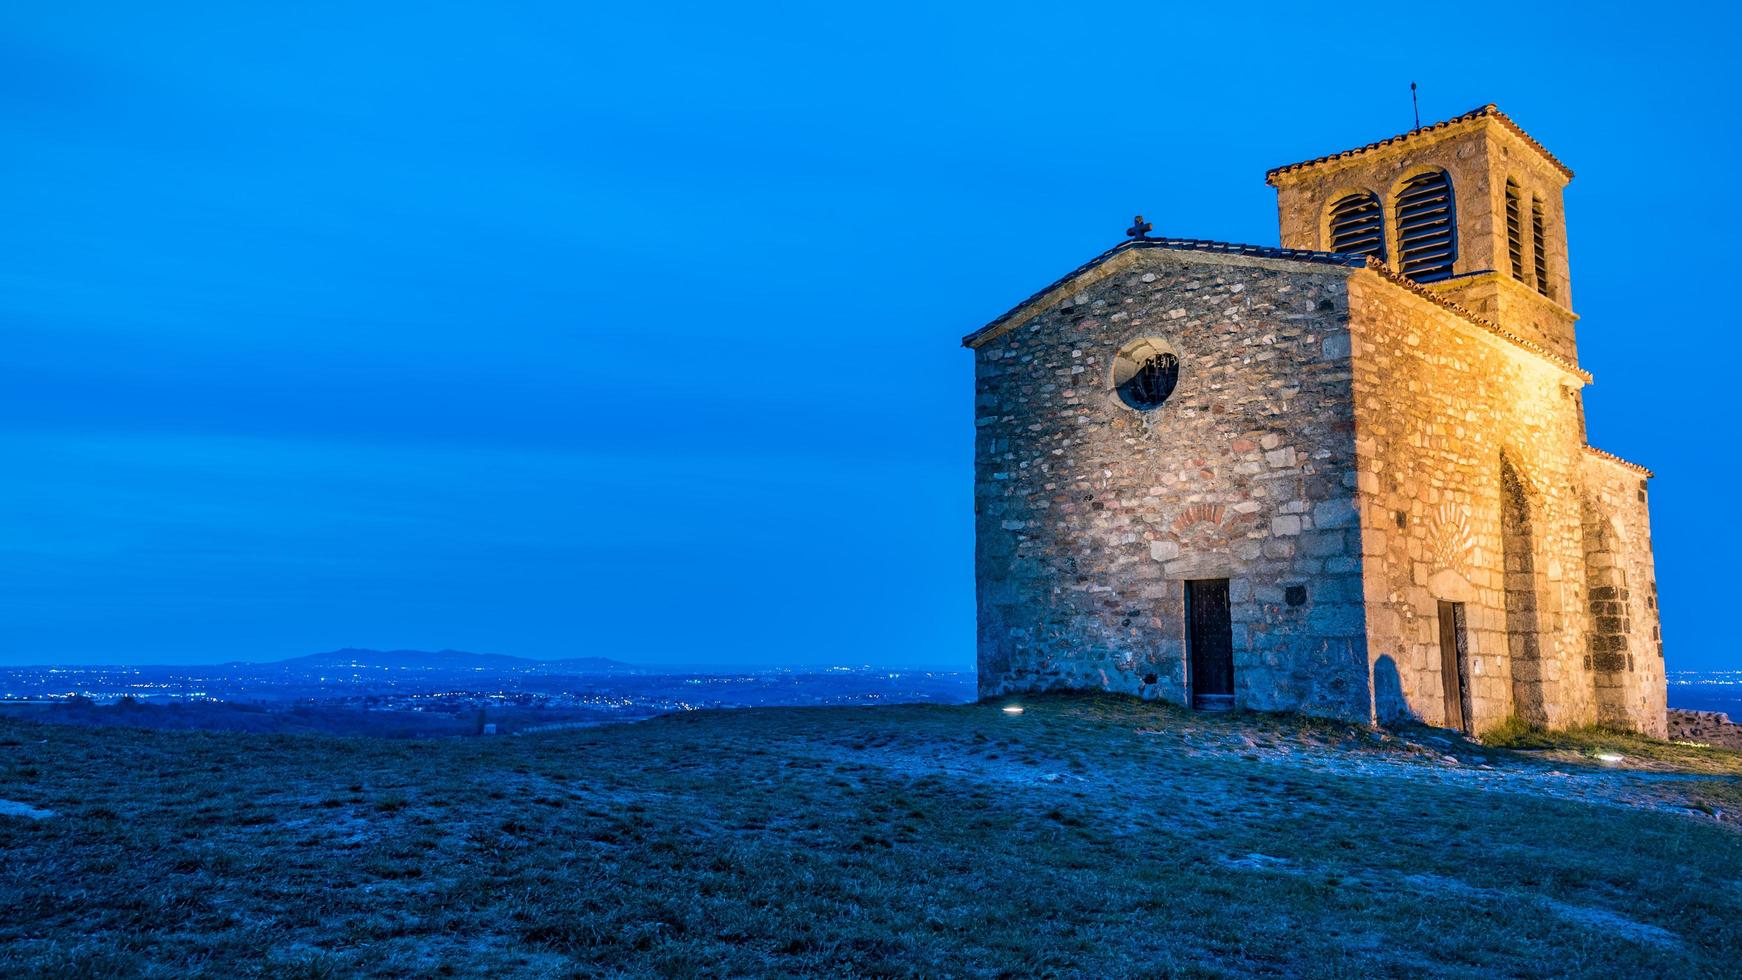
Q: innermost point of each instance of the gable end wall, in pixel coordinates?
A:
(1091, 516)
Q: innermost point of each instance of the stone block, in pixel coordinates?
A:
(1339, 512)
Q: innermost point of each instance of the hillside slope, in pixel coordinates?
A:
(1086, 836)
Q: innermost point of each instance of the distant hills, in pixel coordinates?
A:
(442, 660)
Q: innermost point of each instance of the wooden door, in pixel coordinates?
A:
(1454, 665)
(1210, 640)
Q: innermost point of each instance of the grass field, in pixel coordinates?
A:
(1085, 837)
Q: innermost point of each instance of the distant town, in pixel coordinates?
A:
(408, 693)
(1707, 690)
(416, 693)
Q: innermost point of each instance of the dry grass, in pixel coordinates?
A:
(1638, 751)
(1592, 745)
(1087, 836)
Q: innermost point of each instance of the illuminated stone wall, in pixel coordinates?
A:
(1476, 487)
(1331, 430)
(1625, 644)
(1090, 515)
(1471, 461)
(1479, 155)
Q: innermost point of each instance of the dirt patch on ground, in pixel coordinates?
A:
(1590, 916)
(11, 808)
(1419, 757)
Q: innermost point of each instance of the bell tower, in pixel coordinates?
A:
(1470, 208)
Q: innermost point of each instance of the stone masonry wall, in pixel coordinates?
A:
(1704, 727)
(1304, 198)
(1471, 461)
(1479, 157)
(1625, 645)
(1091, 515)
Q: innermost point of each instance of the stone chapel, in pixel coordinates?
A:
(1348, 476)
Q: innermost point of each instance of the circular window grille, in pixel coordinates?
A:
(1145, 374)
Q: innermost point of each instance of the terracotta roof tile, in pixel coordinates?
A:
(1291, 254)
(1496, 329)
(1489, 111)
(1611, 457)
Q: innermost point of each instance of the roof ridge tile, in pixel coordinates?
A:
(1396, 278)
(1611, 457)
(1489, 111)
(1172, 244)
(1346, 260)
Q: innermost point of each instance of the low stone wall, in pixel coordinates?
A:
(1709, 727)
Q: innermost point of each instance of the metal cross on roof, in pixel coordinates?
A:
(1139, 228)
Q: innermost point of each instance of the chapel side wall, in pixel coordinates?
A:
(1448, 419)
(1618, 496)
(1091, 516)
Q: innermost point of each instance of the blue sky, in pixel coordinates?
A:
(555, 329)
